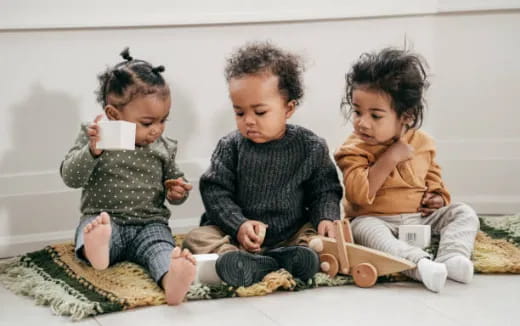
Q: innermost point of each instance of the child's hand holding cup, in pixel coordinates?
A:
(93, 136)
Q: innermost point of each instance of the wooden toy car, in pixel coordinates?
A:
(342, 256)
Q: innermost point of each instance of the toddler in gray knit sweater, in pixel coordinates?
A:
(271, 186)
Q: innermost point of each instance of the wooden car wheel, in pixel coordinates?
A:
(365, 275)
(329, 264)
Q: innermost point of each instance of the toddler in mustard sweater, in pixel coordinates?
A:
(390, 174)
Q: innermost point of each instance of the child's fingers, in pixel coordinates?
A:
(245, 241)
(331, 231)
(426, 211)
(259, 228)
(435, 202)
(172, 195)
(427, 196)
(93, 131)
(250, 245)
(178, 189)
(432, 200)
(180, 182)
(98, 118)
(251, 234)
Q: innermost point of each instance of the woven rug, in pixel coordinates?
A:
(53, 277)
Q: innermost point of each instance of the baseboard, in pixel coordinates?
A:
(492, 205)
(20, 244)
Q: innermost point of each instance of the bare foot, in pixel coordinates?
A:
(176, 282)
(97, 241)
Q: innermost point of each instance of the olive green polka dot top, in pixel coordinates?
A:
(129, 185)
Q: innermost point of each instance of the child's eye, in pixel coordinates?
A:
(260, 113)
(357, 113)
(146, 124)
(239, 114)
(164, 120)
(376, 117)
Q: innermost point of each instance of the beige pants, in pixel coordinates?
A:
(211, 239)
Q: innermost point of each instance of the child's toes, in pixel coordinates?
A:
(104, 218)
(187, 254)
(176, 252)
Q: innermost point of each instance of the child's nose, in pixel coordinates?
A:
(362, 123)
(154, 130)
(249, 120)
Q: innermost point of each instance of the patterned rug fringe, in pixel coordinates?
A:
(28, 281)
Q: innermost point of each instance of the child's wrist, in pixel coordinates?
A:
(94, 155)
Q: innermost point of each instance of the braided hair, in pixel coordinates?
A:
(120, 84)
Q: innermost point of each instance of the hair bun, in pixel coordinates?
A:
(126, 54)
(158, 69)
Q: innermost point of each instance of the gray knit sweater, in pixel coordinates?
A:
(284, 183)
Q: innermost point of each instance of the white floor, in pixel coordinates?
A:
(489, 300)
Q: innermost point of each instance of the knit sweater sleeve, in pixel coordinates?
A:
(78, 165)
(217, 188)
(323, 190)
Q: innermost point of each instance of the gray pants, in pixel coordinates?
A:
(148, 245)
(457, 224)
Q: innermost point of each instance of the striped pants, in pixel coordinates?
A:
(457, 224)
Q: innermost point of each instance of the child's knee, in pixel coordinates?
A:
(462, 210)
(205, 239)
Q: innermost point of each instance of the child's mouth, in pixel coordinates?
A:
(364, 136)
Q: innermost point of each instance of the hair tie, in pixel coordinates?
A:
(158, 69)
(126, 54)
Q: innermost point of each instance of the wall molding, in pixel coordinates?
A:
(18, 15)
(47, 182)
(479, 149)
(20, 244)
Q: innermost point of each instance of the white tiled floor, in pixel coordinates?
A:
(489, 300)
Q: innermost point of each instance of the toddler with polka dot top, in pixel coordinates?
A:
(122, 204)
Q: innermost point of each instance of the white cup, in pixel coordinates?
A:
(116, 134)
(206, 271)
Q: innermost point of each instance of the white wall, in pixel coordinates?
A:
(49, 64)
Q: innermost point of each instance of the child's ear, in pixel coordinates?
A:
(112, 112)
(407, 119)
(291, 107)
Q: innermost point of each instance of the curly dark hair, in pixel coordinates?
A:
(120, 84)
(397, 73)
(261, 57)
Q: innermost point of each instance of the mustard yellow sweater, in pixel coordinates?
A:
(403, 189)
